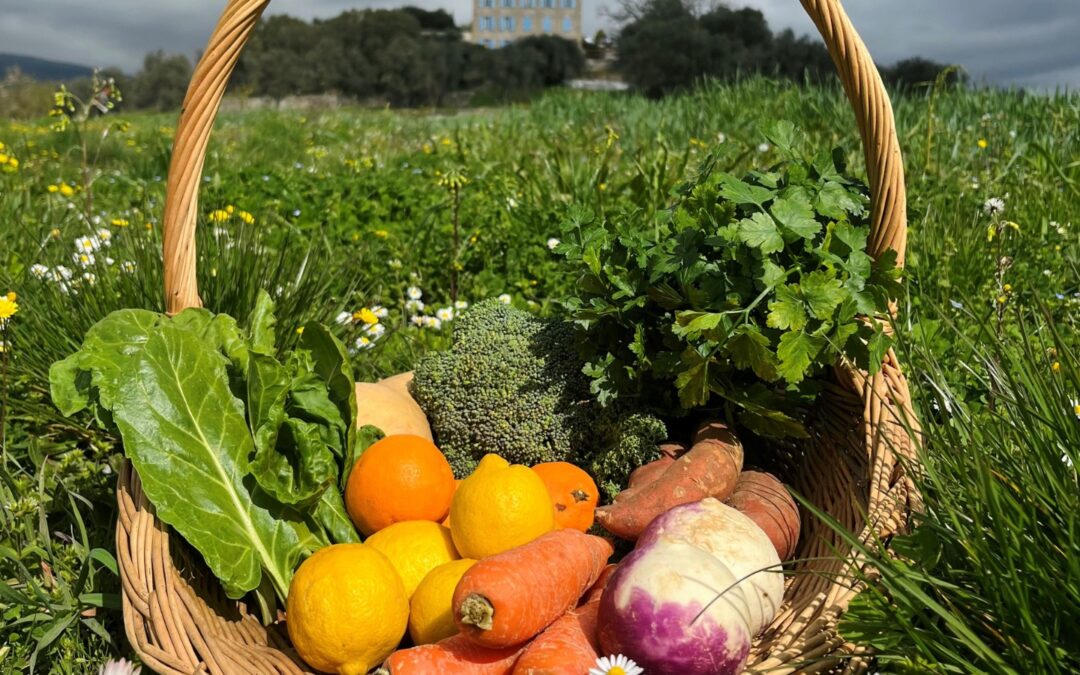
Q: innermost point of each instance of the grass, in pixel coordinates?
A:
(348, 212)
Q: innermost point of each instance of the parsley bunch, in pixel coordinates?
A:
(738, 297)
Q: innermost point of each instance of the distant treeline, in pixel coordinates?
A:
(415, 57)
(665, 45)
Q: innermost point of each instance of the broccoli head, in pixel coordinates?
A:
(512, 384)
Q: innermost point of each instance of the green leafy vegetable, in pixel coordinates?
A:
(238, 448)
(737, 297)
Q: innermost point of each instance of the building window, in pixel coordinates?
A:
(567, 24)
(527, 4)
(526, 24)
(568, 4)
(487, 23)
(508, 24)
(548, 4)
(489, 3)
(547, 24)
(508, 3)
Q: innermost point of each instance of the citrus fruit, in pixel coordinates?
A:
(347, 609)
(498, 507)
(431, 615)
(573, 494)
(414, 547)
(401, 477)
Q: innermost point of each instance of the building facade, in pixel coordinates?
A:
(497, 23)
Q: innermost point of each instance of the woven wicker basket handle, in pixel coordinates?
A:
(862, 82)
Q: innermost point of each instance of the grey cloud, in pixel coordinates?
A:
(1000, 41)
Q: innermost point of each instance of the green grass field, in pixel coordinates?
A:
(343, 210)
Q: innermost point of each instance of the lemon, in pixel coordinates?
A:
(498, 507)
(431, 613)
(414, 547)
(347, 609)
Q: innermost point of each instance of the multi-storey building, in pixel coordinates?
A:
(497, 23)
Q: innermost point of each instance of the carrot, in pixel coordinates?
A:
(764, 499)
(569, 646)
(507, 598)
(455, 655)
(708, 469)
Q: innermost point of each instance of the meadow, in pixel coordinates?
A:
(411, 216)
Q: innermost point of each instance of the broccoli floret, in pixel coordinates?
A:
(512, 383)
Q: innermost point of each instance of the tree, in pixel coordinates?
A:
(917, 72)
(162, 82)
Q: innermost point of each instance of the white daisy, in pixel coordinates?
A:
(104, 236)
(128, 266)
(363, 342)
(616, 665)
(343, 318)
(721, 137)
(764, 147)
(432, 322)
(90, 278)
(552, 243)
(61, 273)
(417, 320)
(119, 667)
(445, 314)
(415, 306)
(109, 261)
(380, 311)
(87, 244)
(414, 293)
(461, 304)
(82, 258)
(1075, 407)
(505, 298)
(375, 332)
(394, 264)
(39, 271)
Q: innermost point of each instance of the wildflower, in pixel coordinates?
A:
(296, 212)
(105, 236)
(994, 206)
(461, 304)
(364, 343)
(40, 271)
(53, 188)
(90, 278)
(552, 243)
(616, 665)
(381, 234)
(8, 308)
(1075, 407)
(300, 330)
(376, 331)
(956, 304)
(1055, 366)
(721, 137)
(84, 259)
(763, 148)
(87, 244)
(109, 261)
(414, 293)
(1001, 299)
(1007, 288)
(218, 216)
(432, 322)
(416, 320)
(602, 187)
(66, 190)
(511, 203)
(246, 217)
(3, 346)
(983, 144)
(380, 311)
(119, 222)
(427, 148)
(128, 266)
(445, 314)
(505, 298)
(119, 667)
(61, 273)
(415, 306)
(343, 318)
(367, 316)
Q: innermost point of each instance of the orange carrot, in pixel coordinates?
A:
(764, 499)
(455, 655)
(507, 598)
(709, 469)
(569, 646)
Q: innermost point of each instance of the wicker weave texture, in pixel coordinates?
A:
(853, 467)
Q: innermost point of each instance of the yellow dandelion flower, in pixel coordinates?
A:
(54, 233)
(8, 307)
(602, 187)
(1001, 299)
(230, 209)
(1056, 366)
(983, 144)
(66, 190)
(53, 188)
(219, 216)
(246, 217)
(3, 158)
(13, 163)
(446, 141)
(381, 234)
(367, 316)
(119, 222)
(1007, 288)
(427, 148)
(356, 236)
(300, 330)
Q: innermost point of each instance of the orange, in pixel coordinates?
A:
(402, 477)
(573, 494)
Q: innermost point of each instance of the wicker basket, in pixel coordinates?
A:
(853, 467)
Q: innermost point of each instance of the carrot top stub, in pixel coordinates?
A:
(508, 598)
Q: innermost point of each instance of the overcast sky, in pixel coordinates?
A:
(1026, 42)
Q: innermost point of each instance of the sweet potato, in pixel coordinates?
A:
(708, 469)
(673, 449)
(399, 383)
(764, 499)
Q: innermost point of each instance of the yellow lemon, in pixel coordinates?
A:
(347, 609)
(431, 613)
(498, 507)
(414, 547)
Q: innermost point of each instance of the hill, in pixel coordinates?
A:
(43, 69)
